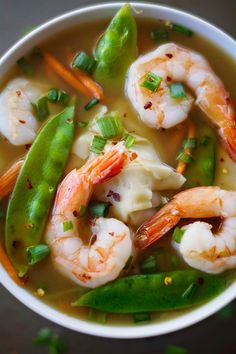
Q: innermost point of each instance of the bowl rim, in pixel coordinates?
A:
(113, 331)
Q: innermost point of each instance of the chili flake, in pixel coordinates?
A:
(22, 121)
(28, 184)
(169, 55)
(148, 105)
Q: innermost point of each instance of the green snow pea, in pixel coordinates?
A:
(36, 186)
(201, 171)
(117, 48)
(154, 292)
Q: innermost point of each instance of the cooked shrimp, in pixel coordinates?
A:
(17, 121)
(178, 64)
(110, 245)
(199, 246)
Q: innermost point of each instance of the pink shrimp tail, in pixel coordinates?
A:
(229, 137)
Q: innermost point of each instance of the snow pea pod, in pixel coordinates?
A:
(36, 186)
(117, 47)
(201, 171)
(154, 292)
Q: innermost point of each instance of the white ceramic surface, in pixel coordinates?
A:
(42, 33)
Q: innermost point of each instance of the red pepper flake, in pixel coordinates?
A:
(114, 195)
(168, 78)
(150, 79)
(18, 93)
(133, 156)
(227, 99)
(92, 222)
(93, 239)
(163, 130)
(28, 184)
(86, 276)
(22, 121)
(169, 55)
(200, 281)
(125, 115)
(28, 146)
(148, 105)
(222, 159)
(111, 233)
(75, 213)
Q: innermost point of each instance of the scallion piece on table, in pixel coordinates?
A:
(190, 143)
(173, 349)
(53, 95)
(148, 265)
(110, 125)
(84, 62)
(151, 81)
(181, 29)
(98, 209)
(141, 316)
(189, 292)
(178, 234)
(67, 225)
(41, 108)
(177, 90)
(63, 97)
(97, 316)
(183, 156)
(83, 124)
(91, 104)
(129, 141)
(37, 253)
(159, 35)
(98, 144)
(25, 66)
(43, 336)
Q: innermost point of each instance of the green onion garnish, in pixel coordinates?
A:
(129, 141)
(82, 211)
(25, 66)
(83, 124)
(181, 29)
(225, 312)
(67, 225)
(110, 125)
(183, 156)
(37, 253)
(189, 143)
(53, 95)
(43, 336)
(55, 343)
(98, 144)
(149, 265)
(63, 97)
(98, 209)
(128, 263)
(91, 104)
(84, 62)
(190, 291)
(141, 316)
(151, 81)
(160, 35)
(173, 349)
(41, 109)
(97, 316)
(177, 90)
(178, 234)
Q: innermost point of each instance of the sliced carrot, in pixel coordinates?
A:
(181, 166)
(8, 179)
(95, 89)
(65, 74)
(9, 267)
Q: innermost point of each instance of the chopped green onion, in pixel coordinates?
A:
(98, 144)
(128, 263)
(173, 349)
(25, 66)
(41, 108)
(177, 90)
(183, 156)
(67, 225)
(181, 29)
(178, 234)
(97, 316)
(129, 141)
(82, 211)
(91, 104)
(151, 81)
(149, 265)
(160, 35)
(110, 125)
(37, 253)
(98, 209)
(43, 336)
(141, 316)
(53, 95)
(55, 343)
(63, 97)
(225, 312)
(82, 124)
(190, 143)
(84, 62)
(189, 292)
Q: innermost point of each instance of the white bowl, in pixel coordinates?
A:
(44, 32)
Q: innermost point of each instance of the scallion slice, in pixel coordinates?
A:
(25, 66)
(91, 104)
(63, 97)
(83, 124)
(37, 253)
(97, 316)
(149, 265)
(129, 141)
(98, 209)
(53, 95)
(177, 90)
(84, 62)
(141, 316)
(173, 349)
(181, 29)
(178, 234)
(159, 35)
(189, 143)
(67, 225)
(41, 108)
(111, 125)
(98, 144)
(189, 292)
(151, 81)
(82, 211)
(183, 156)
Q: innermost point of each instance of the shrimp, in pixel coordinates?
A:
(110, 245)
(178, 64)
(17, 121)
(199, 246)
